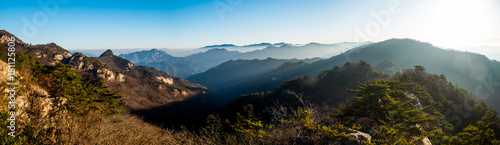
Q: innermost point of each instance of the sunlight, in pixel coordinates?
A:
(452, 21)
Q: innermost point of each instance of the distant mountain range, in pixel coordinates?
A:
(250, 45)
(184, 52)
(196, 63)
(226, 79)
(474, 72)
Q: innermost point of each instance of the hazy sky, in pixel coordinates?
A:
(115, 24)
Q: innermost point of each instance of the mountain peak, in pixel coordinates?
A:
(3, 32)
(221, 45)
(281, 43)
(217, 50)
(107, 53)
(260, 44)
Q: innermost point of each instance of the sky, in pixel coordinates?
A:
(125, 24)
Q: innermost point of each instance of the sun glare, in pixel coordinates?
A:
(456, 21)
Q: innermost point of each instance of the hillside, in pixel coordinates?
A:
(151, 86)
(234, 72)
(148, 92)
(54, 112)
(328, 88)
(48, 54)
(473, 72)
(411, 106)
(470, 71)
(72, 89)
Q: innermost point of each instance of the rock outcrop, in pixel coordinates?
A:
(109, 75)
(34, 107)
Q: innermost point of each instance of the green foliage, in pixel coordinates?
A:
(298, 84)
(386, 135)
(419, 68)
(300, 128)
(250, 125)
(443, 100)
(407, 108)
(388, 67)
(303, 119)
(481, 133)
(214, 133)
(364, 63)
(26, 137)
(335, 132)
(214, 126)
(387, 103)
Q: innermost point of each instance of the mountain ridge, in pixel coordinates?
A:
(462, 68)
(203, 61)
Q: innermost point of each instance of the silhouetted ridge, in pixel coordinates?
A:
(107, 53)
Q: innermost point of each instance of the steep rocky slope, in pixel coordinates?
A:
(141, 89)
(34, 107)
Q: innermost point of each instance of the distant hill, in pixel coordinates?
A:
(217, 54)
(221, 45)
(225, 77)
(310, 50)
(97, 52)
(264, 44)
(175, 66)
(213, 57)
(328, 88)
(147, 56)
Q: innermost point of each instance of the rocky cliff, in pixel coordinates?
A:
(35, 107)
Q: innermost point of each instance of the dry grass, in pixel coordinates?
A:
(95, 128)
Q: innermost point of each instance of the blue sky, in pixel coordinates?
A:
(121, 24)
